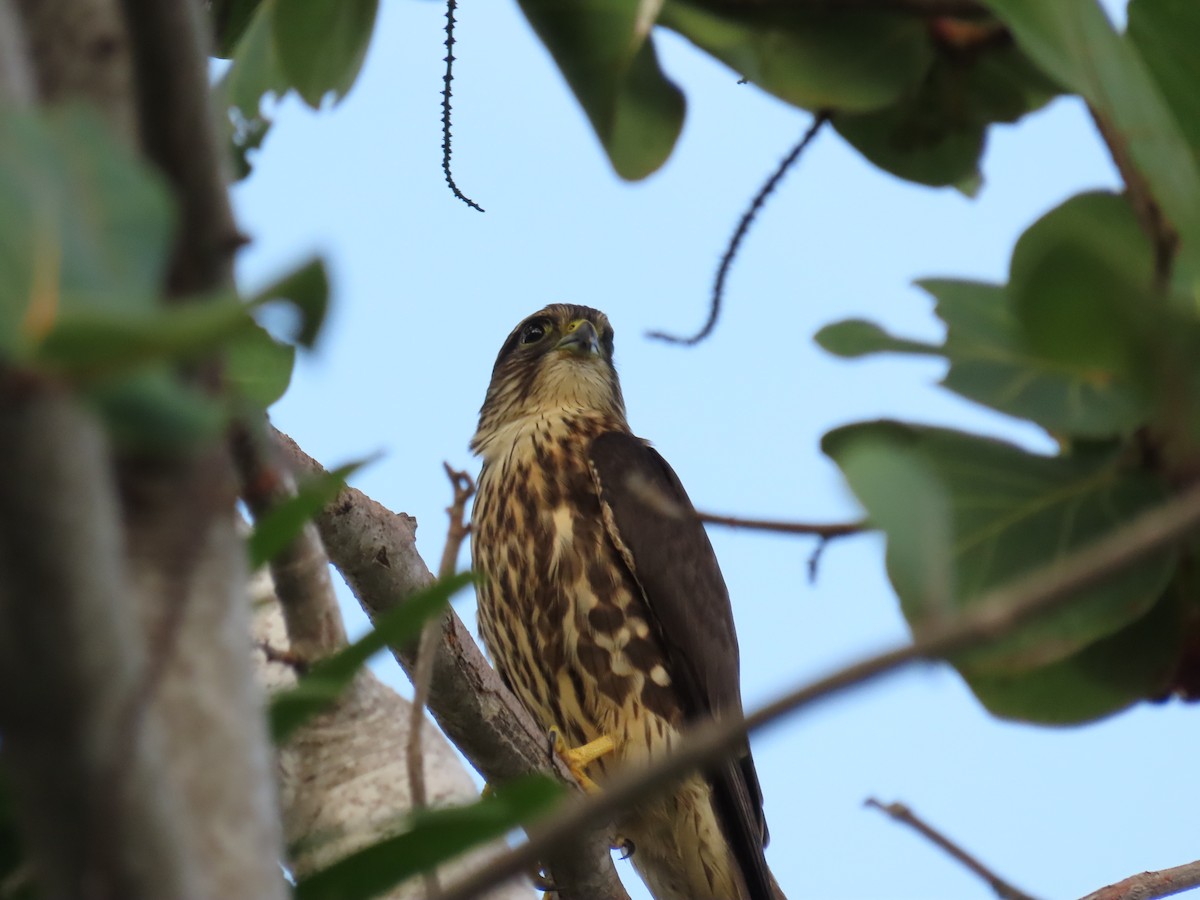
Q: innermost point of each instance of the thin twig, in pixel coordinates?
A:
(735, 243)
(448, 78)
(996, 615)
(1163, 237)
(824, 530)
(901, 813)
(457, 531)
(1151, 885)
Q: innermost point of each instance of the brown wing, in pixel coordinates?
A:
(649, 518)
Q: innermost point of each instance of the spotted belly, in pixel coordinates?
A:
(570, 635)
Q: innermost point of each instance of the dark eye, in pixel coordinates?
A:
(532, 333)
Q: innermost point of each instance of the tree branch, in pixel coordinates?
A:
(99, 812)
(996, 615)
(901, 813)
(1163, 237)
(375, 551)
(824, 530)
(301, 572)
(1151, 885)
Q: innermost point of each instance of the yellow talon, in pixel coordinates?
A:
(578, 758)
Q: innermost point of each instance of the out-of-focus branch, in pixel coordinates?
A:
(99, 812)
(178, 134)
(1163, 237)
(902, 814)
(301, 571)
(375, 551)
(16, 77)
(995, 616)
(1151, 885)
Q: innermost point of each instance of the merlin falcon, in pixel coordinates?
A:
(602, 604)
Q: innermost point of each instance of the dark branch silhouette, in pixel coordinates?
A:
(448, 78)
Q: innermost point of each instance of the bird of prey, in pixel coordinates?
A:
(602, 604)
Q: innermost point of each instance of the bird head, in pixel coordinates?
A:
(558, 361)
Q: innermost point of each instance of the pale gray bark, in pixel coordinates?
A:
(343, 778)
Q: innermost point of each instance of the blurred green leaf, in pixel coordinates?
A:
(230, 19)
(852, 338)
(307, 289)
(815, 59)
(258, 367)
(84, 224)
(1134, 664)
(94, 343)
(935, 134)
(326, 680)
(1073, 42)
(604, 50)
(321, 44)
(1165, 34)
(1079, 285)
(434, 837)
(276, 529)
(151, 411)
(991, 363)
(1010, 512)
(253, 75)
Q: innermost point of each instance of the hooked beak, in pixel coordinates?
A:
(581, 338)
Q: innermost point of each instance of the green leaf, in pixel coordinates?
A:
(276, 529)
(258, 367)
(991, 363)
(604, 50)
(1079, 285)
(84, 224)
(152, 411)
(230, 19)
(1165, 34)
(852, 338)
(815, 59)
(94, 343)
(321, 44)
(1010, 512)
(326, 680)
(254, 74)
(935, 134)
(1073, 42)
(434, 837)
(1134, 664)
(307, 289)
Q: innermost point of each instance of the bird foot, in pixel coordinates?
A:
(578, 758)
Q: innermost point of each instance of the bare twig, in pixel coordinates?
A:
(906, 816)
(735, 243)
(1151, 885)
(447, 79)
(375, 551)
(464, 488)
(996, 615)
(824, 530)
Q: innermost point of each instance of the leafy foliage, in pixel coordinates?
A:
(433, 837)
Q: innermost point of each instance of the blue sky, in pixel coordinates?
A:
(426, 289)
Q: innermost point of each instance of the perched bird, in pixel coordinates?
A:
(602, 604)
